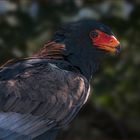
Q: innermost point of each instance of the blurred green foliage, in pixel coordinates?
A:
(113, 111)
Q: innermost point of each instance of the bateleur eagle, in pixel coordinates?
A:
(43, 93)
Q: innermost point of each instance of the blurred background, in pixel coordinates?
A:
(113, 110)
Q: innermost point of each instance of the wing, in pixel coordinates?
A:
(37, 96)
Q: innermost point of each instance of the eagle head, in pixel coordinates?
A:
(86, 41)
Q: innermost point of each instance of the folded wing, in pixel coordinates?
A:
(37, 96)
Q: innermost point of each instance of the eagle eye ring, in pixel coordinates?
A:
(93, 34)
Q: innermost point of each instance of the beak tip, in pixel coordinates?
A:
(118, 49)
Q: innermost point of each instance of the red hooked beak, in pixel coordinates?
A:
(105, 42)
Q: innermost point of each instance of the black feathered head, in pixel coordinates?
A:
(88, 33)
(86, 41)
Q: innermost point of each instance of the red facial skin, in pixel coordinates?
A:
(104, 41)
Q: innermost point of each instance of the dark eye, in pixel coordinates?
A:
(93, 34)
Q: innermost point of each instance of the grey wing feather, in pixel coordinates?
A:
(38, 98)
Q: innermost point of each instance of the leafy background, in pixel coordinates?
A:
(113, 110)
